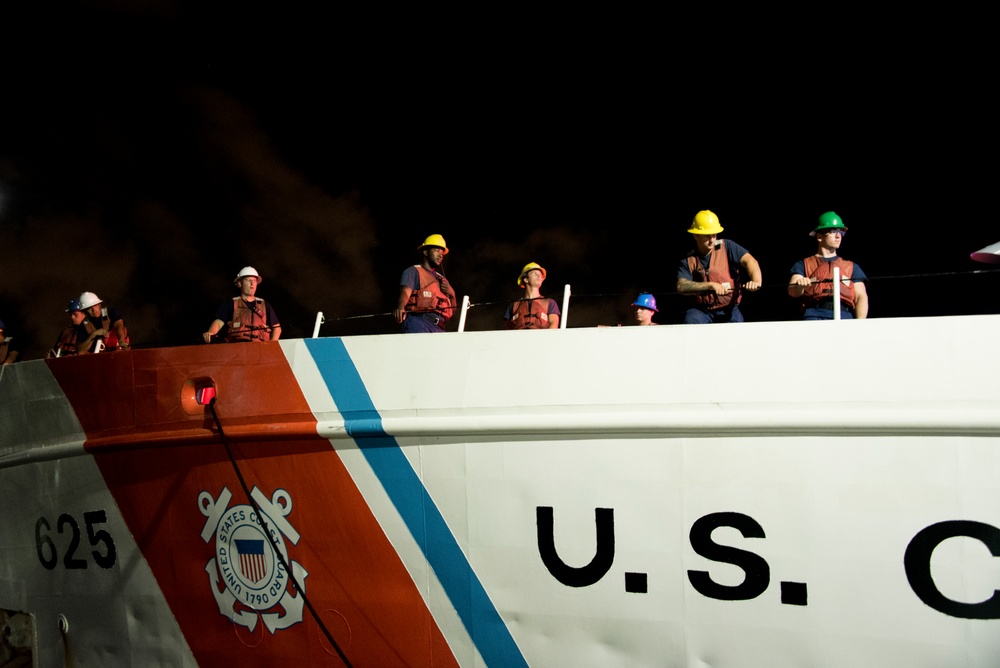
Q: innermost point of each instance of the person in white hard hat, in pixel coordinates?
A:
(106, 319)
(711, 277)
(426, 299)
(532, 311)
(246, 317)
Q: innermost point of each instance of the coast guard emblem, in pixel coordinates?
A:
(247, 577)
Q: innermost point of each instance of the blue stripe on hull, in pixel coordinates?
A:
(408, 494)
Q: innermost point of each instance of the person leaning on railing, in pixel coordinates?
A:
(246, 317)
(812, 278)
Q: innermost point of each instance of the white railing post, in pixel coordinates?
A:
(319, 321)
(465, 309)
(565, 307)
(836, 293)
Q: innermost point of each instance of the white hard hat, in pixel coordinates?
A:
(247, 271)
(88, 299)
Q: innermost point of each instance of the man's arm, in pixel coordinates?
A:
(448, 291)
(686, 286)
(404, 296)
(751, 266)
(84, 346)
(797, 285)
(860, 301)
(122, 333)
(213, 329)
(553, 317)
(272, 321)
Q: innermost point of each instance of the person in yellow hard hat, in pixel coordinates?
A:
(246, 317)
(811, 280)
(426, 299)
(532, 311)
(710, 277)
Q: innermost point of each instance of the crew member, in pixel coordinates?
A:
(710, 276)
(426, 299)
(812, 278)
(67, 343)
(532, 311)
(114, 334)
(246, 317)
(645, 306)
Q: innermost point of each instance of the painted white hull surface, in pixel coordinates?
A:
(763, 494)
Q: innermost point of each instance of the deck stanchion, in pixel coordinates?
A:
(836, 293)
(565, 307)
(465, 309)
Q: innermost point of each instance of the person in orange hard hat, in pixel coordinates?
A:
(532, 311)
(246, 317)
(812, 278)
(644, 307)
(710, 277)
(426, 299)
(107, 321)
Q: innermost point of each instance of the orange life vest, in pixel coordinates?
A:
(530, 314)
(821, 270)
(248, 325)
(429, 298)
(65, 345)
(718, 272)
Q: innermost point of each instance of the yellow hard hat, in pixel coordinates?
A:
(524, 272)
(434, 240)
(705, 222)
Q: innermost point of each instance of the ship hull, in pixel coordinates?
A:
(668, 496)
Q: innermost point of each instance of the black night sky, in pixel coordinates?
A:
(150, 150)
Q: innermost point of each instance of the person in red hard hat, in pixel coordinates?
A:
(812, 278)
(246, 317)
(532, 311)
(426, 299)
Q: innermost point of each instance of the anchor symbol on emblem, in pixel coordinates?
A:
(247, 578)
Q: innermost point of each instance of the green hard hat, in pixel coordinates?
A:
(829, 221)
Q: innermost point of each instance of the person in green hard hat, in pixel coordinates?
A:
(812, 278)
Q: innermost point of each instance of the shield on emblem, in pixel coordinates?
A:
(252, 563)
